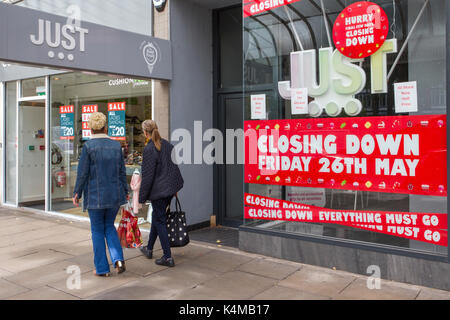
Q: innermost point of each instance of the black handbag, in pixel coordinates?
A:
(176, 226)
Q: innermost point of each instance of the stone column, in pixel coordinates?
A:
(161, 27)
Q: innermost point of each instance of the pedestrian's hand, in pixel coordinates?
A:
(75, 200)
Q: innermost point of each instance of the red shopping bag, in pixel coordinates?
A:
(128, 230)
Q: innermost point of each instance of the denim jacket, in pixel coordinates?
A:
(101, 177)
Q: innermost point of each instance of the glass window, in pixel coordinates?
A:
(134, 16)
(88, 92)
(33, 87)
(269, 39)
(11, 142)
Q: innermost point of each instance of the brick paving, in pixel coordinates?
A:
(37, 252)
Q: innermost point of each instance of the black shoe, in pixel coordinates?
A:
(165, 262)
(146, 252)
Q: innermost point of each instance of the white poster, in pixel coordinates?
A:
(405, 96)
(258, 106)
(311, 196)
(299, 101)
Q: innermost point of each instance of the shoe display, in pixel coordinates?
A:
(165, 262)
(146, 252)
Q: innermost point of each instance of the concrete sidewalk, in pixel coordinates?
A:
(37, 250)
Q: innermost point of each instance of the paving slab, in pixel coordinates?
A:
(284, 293)
(222, 261)
(10, 240)
(180, 277)
(40, 276)
(44, 293)
(8, 289)
(433, 294)
(268, 269)
(75, 248)
(319, 281)
(143, 266)
(230, 285)
(4, 273)
(25, 227)
(32, 261)
(93, 285)
(358, 290)
(191, 251)
(135, 291)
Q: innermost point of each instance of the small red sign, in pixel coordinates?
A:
(255, 7)
(89, 108)
(116, 106)
(360, 29)
(66, 109)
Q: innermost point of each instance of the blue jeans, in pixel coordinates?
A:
(159, 226)
(102, 226)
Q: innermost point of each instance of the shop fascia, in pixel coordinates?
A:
(340, 79)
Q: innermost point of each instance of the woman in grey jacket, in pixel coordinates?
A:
(161, 180)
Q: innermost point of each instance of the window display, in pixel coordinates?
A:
(353, 142)
(74, 96)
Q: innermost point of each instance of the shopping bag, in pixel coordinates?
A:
(176, 226)
(128, 230)
(149, 213)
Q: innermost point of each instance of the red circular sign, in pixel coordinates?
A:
(360, 29)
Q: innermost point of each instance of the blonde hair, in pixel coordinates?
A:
(151, 128)
(97, 121)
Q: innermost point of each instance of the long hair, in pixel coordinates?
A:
(151, 128)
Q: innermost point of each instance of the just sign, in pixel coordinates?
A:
(55, 35)
(340, 79)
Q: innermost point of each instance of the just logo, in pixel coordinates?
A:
(340, 79)
(55, 35)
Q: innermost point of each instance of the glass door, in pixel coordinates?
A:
(31, 144)
(231, 172)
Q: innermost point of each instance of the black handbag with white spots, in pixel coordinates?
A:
(176, 226)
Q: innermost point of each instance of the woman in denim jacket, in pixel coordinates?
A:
(102, 182)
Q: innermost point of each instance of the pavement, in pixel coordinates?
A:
(46, 257)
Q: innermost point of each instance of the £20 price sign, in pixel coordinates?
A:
(116, 120)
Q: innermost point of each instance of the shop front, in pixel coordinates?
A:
(55, 71)
(345, 119)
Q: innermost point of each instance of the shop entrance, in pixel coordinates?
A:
(31, 153)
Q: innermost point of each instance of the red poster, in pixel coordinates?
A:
(396, 154)
(360, 29)
(426, 227)
(254, 7)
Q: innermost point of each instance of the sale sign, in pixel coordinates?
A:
(396, 154)
(360, 29)
(86, 111)
(66, 116)
(426, 227)
(116, 120)
(254, 7)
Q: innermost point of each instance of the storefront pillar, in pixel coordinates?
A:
(161, 88)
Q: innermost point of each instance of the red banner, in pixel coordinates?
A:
(254, 7)
(426, 227)
(395, 154)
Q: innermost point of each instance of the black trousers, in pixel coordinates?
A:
(159, 226)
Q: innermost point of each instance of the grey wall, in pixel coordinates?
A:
(191, 97)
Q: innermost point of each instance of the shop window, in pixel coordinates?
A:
(80, 94)
(33, 87)
(300, 26)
